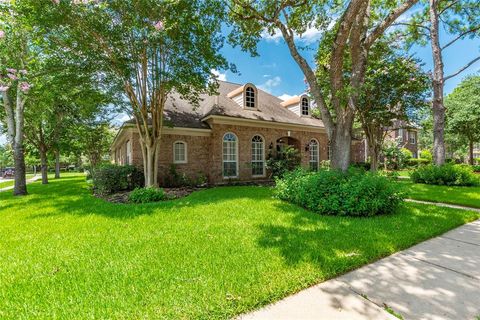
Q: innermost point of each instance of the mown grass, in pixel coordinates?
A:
(9, 183)
(466, 196)
(212, 255)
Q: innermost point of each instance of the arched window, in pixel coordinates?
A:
(230, 156)
(305, 107)
(250, 97)
(179, 152)
(258, 156)
(314, 156)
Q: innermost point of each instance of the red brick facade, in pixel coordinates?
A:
(205, 149)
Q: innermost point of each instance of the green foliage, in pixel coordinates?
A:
(163, 252)
(426, 154)
(406, 154)
(448, 174)
(146, 195)
(476, 168)
(395, 157)
(417, 162)
(109, 179)
(283, 162)
(355, 193)
(175, 179)
(463, 111)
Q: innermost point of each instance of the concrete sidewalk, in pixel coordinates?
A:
(436, 279)
(33, 179)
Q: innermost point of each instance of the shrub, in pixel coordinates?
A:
(145, 195)
(426, 154)
(108, 179)
(417, 162)
(448, 174)
(355, 193)
(283, 162)
(175, 179)
(395, 157)
(476, 168)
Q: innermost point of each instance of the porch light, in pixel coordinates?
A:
(307, 147)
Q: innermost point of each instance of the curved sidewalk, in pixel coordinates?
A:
(436, 279)
(33, 179)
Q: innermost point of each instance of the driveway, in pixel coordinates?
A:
(436, 279)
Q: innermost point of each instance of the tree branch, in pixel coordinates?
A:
(462, 69)
(387, 22)
(460, 36)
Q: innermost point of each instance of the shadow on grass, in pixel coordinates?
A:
(351, 241)
(71, 195)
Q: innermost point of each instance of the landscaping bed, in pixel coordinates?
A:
(171, 194)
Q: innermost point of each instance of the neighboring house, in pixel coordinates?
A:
(229, 136)
(406, 135)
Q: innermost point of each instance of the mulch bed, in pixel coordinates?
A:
(176, 193)
(172, 193)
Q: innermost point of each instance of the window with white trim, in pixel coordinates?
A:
(258, 156)
(179, 152)
(412, 137)
(314, 154)
(250, 97)
(400, 135)
(129, 152)
(230, 155)
(305, 107)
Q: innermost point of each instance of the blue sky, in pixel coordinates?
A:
(274, 70)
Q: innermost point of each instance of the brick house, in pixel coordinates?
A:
(406, 135)
(230, 135)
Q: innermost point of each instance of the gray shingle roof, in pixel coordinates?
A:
(181, 113)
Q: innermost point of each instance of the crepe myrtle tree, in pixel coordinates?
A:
(15, 58)
(152, 47)
(396, 88)
(357, 24)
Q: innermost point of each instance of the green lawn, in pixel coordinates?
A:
(9, 183)
(214, 254)
(467, 196)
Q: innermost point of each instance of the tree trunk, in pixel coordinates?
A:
(341, 145)
(150, 161)
(20, 187)
(57, 164)
(470, 154)
(44, 164)
(438, 82)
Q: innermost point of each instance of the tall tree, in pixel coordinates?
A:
(458, 20)
(151, 47)
(360, 23)
(463, 113)
(16, 59)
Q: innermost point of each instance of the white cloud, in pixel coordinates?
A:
(310, 35)
(218, 75)
(286, 96)
(270, 84)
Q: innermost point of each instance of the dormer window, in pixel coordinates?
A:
(305, 107)
(250, 97)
